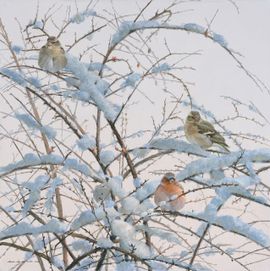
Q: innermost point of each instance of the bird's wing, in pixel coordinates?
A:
(206, 128)
(59, 62)
(44, 60)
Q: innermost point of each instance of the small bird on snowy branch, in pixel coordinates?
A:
(202, 132)
(169, 194)
(52, 56)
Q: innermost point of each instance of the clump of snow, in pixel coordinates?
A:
(208, 164)
(97, 66)
(106, 157)
(50, 194)
(34, 81)
(123, 229)
(81, 16)
(130, 205)
(54, 87)
(34, 192)
(101, 192)
(123, 30)
(176, 145)
(16, 49)
(219, 39)
(140, 152)
(89, 88)
(161, 68)
(32, 123)
(193, 27)
(145, 208)
(89, 217)
(127, 27)
(23, 228)
(131, 80)
(104, 242)
(38, 25)
(163, 234)
(81, 245)
(86, 142)
(147, 189)
(102, 86)
(31, 159)
(14, 76)
(71, 163)
(115, 184)
(126, 266)
(137, 182)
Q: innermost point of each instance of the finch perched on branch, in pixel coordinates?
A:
(169, 194)
(202, 132)
(52, 56)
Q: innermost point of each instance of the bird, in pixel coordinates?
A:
(52, 56)
(169, 194)
(202, 132)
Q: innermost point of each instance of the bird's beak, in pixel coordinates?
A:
(171, 179)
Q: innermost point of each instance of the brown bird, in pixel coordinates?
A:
(202, 132)
(169, 194)
(52, 56)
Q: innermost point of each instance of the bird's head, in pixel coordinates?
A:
(53, 41)
(169, 177)
(194, 116)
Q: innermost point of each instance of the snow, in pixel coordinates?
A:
(101, 192)
(147, 190)
(106, 157)
(219, 39)
(140, 249)
(90, 88)
(128, 26)
(32, 123)
(104, 242)
(50, 194)
(161, 68)
(208, 164)
(233, 224)
(38, 25)
(130, 205)
(115, 184)
(176, 145)
(72, 163)
(126, 266)
(34, 81)
(34, 188)
(137, 182)
(14, 76)
(81, 16)
(81, 245)
(103, 86)
(162, 234)
(193, 27)
(23, 228)
(131, 80)
(122, 229)
(97, 66)
(89, 217)
(86, 217)
(86, 142)
(17, 49)
(31, 159)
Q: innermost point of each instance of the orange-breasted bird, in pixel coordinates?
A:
(202, 132)
(169, 194)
